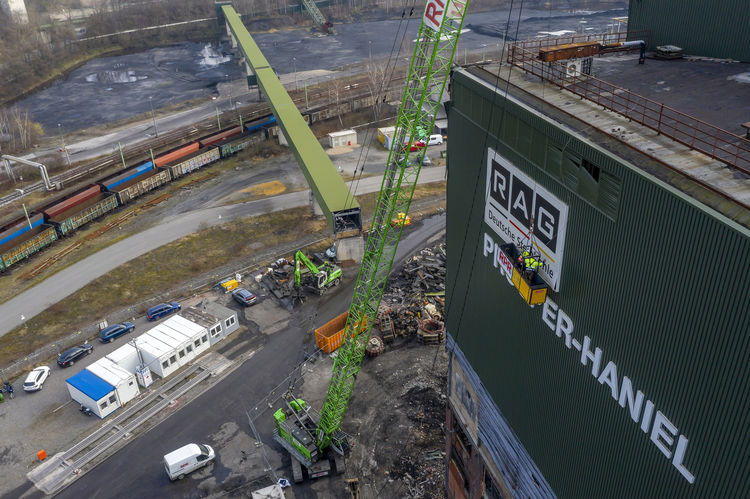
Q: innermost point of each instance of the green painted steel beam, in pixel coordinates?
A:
(337, 202)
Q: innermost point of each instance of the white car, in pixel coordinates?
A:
(36, 379)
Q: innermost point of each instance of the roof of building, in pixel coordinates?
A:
(121, 353)
(109, 371)
(714, 93)
(90, 384)
(207, 313)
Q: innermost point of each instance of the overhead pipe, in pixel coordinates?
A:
(48, 184)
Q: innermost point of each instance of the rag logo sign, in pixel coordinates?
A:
(513, 201)
(435, 10)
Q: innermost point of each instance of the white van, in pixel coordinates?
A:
(435, 140)
(187, 459)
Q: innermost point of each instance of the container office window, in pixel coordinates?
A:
(103, 405)
(229, 321)
(215, 330)
(204, 338)
(189, 348)
(182, 353)
(165, 364)
(130, 383)
(173, 359)
(112, 399)
(197, 343)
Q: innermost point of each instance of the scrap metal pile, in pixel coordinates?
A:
(279, 278)
(414, 300)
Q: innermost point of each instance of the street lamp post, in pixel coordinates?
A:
(62, 141)
(153, 119)
(294, 66)
(231, 98)
(369, 49)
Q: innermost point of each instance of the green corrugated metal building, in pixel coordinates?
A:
(633, 379)
(709, 29)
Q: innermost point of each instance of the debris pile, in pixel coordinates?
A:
(415, 296)
(279, 278)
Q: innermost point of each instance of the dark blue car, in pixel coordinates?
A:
(162, 309)
(110, 333)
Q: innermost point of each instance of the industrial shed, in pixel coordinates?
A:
(219, 320)
(93, 392)
(124, 381)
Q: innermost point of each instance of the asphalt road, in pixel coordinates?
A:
(137, 470)
(72, 278)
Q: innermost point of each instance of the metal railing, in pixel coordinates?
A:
(717, 143)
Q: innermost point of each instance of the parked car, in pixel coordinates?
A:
(435, 140)
(414, 146)
(162, 309)
(71, 355)
(244, 297)
(187, 459)
(108, 334)
(36, 379)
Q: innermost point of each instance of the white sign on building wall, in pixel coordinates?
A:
(513, 201)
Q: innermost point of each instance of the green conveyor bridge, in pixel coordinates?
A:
(335, 199)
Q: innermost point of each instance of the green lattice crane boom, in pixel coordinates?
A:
(430, 67)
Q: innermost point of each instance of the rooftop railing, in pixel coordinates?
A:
(717, 143)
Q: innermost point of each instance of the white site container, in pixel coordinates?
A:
(124, 381)
(197, 334)
(342, 138)
(157, 355)
(177, 341)
(126, 357)
(89, 390)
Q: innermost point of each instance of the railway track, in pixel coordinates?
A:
(317, 98)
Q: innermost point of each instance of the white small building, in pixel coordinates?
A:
(160, 357)
(175, 340)
(195, 332)
(124, 381)
(93, 392)
(126, 357)
(342, 138)
(220, 321)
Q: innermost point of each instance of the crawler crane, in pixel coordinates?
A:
(310, 436)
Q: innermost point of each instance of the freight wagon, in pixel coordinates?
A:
(111, 182)
(58, 206)
(233, 145)
(177, 153)
(138, 186)
(72, 218)
(18, 227)
(218, 137)
(26, 245)
(193, 162)
(254, 126)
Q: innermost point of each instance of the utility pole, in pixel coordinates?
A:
(62, 141)
(156, 132)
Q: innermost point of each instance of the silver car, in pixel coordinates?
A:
(36, 379)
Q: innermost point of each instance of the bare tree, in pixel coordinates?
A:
(335, 86)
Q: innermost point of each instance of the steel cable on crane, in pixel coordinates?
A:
(465, 239)
(384, 84)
